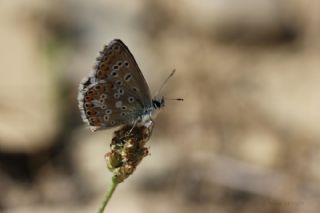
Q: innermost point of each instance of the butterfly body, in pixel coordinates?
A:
(116, 93)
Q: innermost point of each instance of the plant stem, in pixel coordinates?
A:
(108, 196)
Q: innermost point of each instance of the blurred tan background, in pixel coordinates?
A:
(246, 138)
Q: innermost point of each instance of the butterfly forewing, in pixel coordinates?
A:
(117, 92)
(117, 63)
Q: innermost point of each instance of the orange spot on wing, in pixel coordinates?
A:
(91, 112)
(95, 121)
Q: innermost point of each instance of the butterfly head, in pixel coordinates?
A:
(158, 102)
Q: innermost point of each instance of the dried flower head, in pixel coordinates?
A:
(127, 150)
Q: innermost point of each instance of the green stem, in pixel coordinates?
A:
(108, 195)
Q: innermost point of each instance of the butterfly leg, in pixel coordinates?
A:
(127, 133)
(133, 126)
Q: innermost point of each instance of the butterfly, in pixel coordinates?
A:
(116, 93)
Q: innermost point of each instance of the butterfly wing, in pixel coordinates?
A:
(117, 59)
(116, 93)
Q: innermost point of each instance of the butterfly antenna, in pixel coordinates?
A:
(165, 82)
(174, 99)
